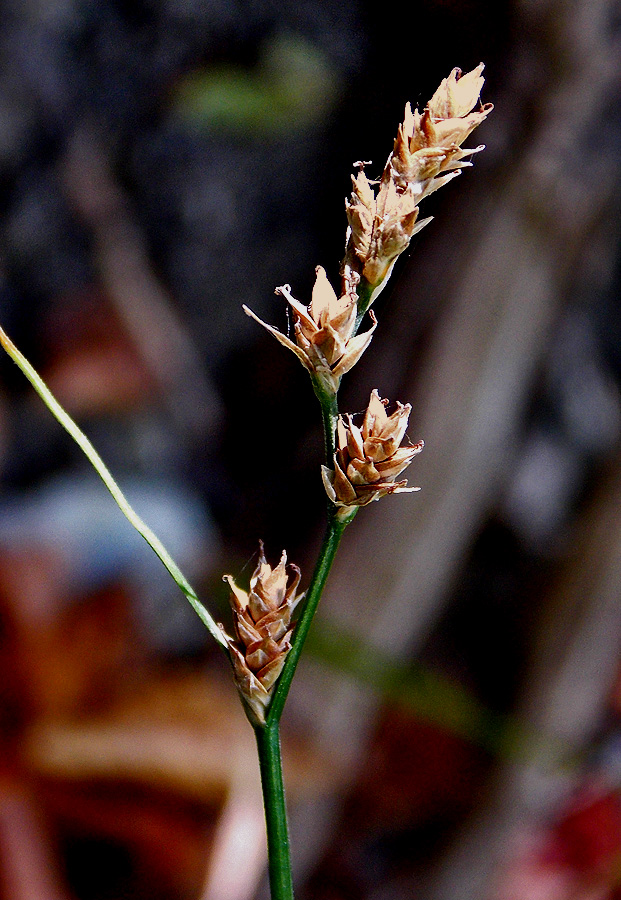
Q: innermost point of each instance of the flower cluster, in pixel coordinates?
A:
(262, 619)
(426, 155)
(369, 458)
(324, 341)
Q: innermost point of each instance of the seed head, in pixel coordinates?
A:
(323, 331)
(262, 620)
(369, 458)
(426, 155)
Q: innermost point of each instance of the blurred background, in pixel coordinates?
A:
(455, 728)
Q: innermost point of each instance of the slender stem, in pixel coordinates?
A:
(279, 857)
(329, 416)
(268, 738)
(338, 520)
(365, 292)
(334, 532)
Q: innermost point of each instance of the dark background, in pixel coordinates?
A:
(455, 729)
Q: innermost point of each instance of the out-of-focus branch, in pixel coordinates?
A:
(28, 869)
(141, 301)
(240, 831)
(574, 665)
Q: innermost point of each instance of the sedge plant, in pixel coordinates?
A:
(363, 459)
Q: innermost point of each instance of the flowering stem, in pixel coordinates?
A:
(268, 739)
(337, 522)
(279, 857)
(334, 532)
(329, 415)
(365, 293)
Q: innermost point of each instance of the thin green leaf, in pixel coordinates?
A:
(98, 464)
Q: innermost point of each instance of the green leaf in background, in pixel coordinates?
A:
(433, 697)
(293, 85)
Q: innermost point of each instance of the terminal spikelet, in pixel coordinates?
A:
(427, 154)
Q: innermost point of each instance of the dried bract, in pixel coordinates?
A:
(426, 155)
(369, 458)
(324, 341)
(262, 619)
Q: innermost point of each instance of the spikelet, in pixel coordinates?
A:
(427, 154)
(369, 458)
(262, 619)
(324, 341)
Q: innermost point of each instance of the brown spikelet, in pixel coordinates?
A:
(262, 619)
(324, 331)
(427, 154)
(369, 458)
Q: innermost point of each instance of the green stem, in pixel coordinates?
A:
(268, 738)
(279, 857)
(365, 292)
(329, 416)
(338, 519)
(334, 532)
